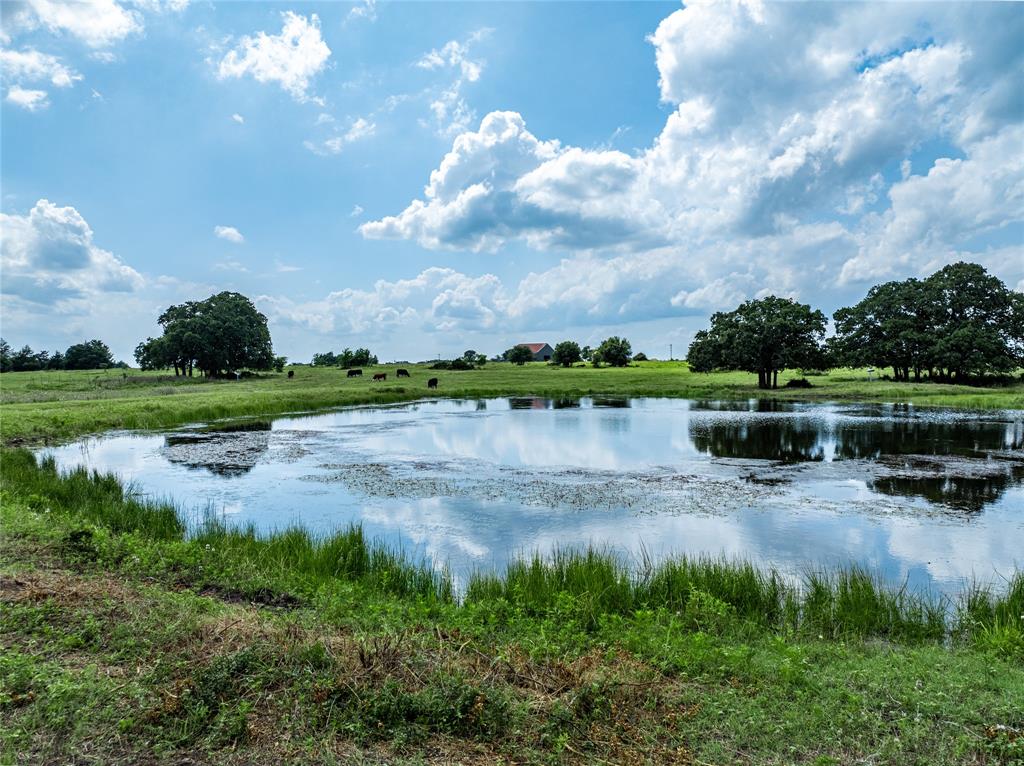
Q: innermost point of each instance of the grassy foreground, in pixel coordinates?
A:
(127, 641)
(41, 406)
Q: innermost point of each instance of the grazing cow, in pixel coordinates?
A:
(355, 373)
(291, 373)
(380, 376)
(402, 373)
(432, 383)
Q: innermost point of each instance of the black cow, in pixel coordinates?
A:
(380, 376)
(402, 373)
(291, 373)
(355, 373)
(432, 383)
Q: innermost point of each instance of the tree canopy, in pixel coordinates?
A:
(958, 323)
(91, 355)
(762, 336)
(519, 355)
(567, 353)
(361, 357)
(220, 335)
(613, 351)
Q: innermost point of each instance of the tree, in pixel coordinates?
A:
(614, 351)
(220, 335)
(25, 360)
(977, 323)
(91, 355)
(56, 362)
(889, 328)
(960, 322)
(327, 359)
(762, 336)
(361, 357)
(519, 355)
(6, 356)
(587, 353)
(567, 353)
(154, 354)
(641, 357)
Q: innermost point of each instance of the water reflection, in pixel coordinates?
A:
(792, 441)
(928, 495)
(964, 493)
(229, 450)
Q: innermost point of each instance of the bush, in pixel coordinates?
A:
(453, 364)
(798, 383)
(641, 357)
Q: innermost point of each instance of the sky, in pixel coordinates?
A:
(425, 178)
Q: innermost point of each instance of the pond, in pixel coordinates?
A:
(932, 497)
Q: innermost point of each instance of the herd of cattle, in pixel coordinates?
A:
(380, 376)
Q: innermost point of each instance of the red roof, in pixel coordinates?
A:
(534, 347)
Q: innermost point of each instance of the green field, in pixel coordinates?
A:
(126, 640)
(39, 406)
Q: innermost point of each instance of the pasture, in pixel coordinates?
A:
(47, 406)
(128, 638)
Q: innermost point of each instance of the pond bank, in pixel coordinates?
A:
(285, 651)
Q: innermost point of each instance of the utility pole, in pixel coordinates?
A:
(670, 352)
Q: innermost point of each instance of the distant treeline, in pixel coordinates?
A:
(361, 357)
(613, 352)
(959, 325)
(90, 355)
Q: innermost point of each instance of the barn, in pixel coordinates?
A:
(542, 352)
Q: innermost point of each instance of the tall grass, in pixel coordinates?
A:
(96, 498)
(848, 602)
(590, 583)
(343, 555)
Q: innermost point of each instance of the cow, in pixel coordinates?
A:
(355, 373)
(380, 376)
(432, 383)
(402, 373)
(291, 373)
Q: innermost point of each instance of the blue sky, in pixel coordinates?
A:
(428, 177)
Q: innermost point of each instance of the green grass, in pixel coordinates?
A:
(126, 640)
(47, 406)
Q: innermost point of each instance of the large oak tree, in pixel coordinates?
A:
(761, 336)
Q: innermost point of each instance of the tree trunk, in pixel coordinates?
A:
(775, 378)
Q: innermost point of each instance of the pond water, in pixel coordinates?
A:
(932, 497)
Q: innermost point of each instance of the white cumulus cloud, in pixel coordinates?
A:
(784, 164)
(97, 23)
(291, 58)
(230, 233)
(30, 65)
(49, 258)
(27, 98)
